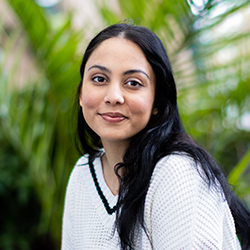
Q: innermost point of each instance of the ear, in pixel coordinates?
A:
(80, 98)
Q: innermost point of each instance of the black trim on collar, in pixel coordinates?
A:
(99, 191)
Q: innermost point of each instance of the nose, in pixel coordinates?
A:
(114, 94)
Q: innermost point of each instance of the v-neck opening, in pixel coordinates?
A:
(105, 196)
(100, 176)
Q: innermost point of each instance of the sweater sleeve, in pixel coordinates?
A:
(68, 223)
(70, 204)
(183, 212)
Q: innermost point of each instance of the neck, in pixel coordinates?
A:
(114, 152)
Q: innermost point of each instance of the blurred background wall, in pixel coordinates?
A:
(41, 45)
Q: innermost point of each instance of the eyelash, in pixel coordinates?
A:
(94, 79)
(138, 84)
(102, 79)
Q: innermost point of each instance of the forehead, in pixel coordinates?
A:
(114, 42)
(120, 50)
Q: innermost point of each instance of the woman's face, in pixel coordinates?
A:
(118, 90)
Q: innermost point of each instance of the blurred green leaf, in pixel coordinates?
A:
(241, 168)
(211, 68)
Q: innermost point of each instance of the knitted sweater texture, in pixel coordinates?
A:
(181, 210)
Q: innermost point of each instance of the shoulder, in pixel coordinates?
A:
(78, 182)
(176, 168)
(79, 171)
(82, 161)
(196, 212)
(183, 176)
(178, 182)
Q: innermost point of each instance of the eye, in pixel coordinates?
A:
(99, 79)
(133, 83)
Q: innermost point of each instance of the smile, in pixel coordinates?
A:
(113, 117)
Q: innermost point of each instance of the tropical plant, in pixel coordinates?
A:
(36, 149)
(211, 64)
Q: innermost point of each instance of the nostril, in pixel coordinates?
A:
(114, 98)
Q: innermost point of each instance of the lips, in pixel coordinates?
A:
(113, 117)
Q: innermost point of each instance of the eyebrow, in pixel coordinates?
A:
(102, 68)
(130, 71)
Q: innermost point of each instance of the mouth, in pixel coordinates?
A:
(113, 117)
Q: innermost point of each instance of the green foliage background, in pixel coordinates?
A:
(37, 151)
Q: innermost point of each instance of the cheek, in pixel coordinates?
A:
(88, 99)
(88, 104)
(142, 106)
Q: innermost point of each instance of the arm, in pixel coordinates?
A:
(67, 227)
(185, 212)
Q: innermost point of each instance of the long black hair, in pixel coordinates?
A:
(163, 135)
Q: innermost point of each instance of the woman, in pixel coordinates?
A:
(144, 183)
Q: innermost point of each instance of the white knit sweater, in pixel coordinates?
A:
(181, 211)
